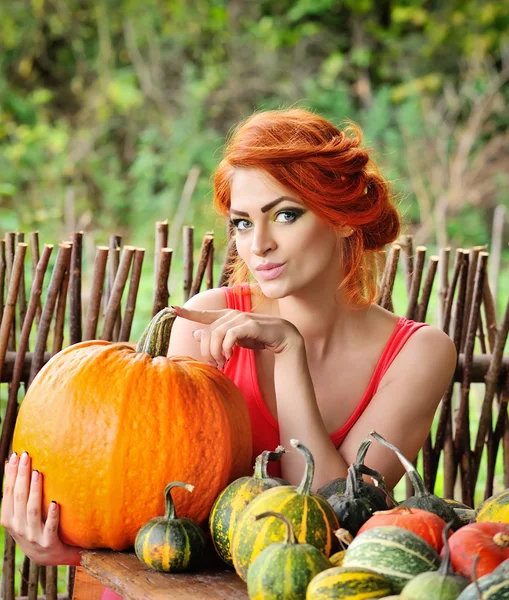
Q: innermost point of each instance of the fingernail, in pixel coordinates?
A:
(53, 506)
(24, 459)
(14, 458)
(35, 475)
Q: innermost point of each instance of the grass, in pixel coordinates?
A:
(142, 316)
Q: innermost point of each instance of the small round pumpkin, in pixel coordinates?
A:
(427, 525)
(396, 553)
(234, 499)
(488, 543)
(443, 584)
(312, 519)
(348, 583)
(86, 419)
(170, 544)
(495, 509)
(283, 570)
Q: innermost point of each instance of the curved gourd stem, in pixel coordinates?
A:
(155, 340)
(260, 470)
(474, 577)
(379, 482)
(362, 451)
(419, 487)
(445, 565)
(170, 506)
(290, 535)
(352, 487)
(307, 479)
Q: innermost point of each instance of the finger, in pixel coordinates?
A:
(21, 490)
(201, 316)
(219, 329)
(35, 527)
(11, 470)
(245, 335)
(50, 534)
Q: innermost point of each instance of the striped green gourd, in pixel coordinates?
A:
(494, 586)
(374, 494)
(168, 543)
(443, 584)
(422, 498)
(312, 519)
(284, 569)
(396, 553)
(350, 583)
(234, 499)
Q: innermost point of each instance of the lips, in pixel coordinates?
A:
(268, 266)
(269, 273)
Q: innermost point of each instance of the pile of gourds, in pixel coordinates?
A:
(86, 421)
(288, 543)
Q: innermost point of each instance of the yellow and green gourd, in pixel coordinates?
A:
(312, 519)
(394, 552)
(443, 584)
(234, 499)
(348, 583)
(284, 569)
(170, 544)
(495, 508)
(494, 586)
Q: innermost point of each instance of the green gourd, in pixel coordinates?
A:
(443, 584)
(374, 494)
(234, 499)
(284, 569)
(494, 586)
(422, 497)
(348, 583)
(170, 544)
(352, 508)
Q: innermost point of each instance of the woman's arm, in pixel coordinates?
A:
(403, 408)
(299, 417)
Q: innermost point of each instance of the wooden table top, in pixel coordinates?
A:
(127, 576)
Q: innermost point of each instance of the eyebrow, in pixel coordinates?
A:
(267, 207)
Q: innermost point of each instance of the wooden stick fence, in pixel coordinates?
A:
(466, 312)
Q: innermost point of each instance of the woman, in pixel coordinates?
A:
(314, 356)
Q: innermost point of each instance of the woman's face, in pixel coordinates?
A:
(272, 225)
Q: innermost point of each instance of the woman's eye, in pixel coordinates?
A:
(237, 224)
(289, 216)
(292, 216)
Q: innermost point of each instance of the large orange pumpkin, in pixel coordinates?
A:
(109, 426)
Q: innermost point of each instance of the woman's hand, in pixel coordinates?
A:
(226, 328)
(21, 516)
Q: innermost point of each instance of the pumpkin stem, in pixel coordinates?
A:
(352, 488)
(362, 451)
(378, 482)
(419, 487)
(155, 340)
(307, 479)
(501, 539)
(260, 470)
(474, 577)
(344, 536)
(290, 535)
(445, 565)
(170, 507)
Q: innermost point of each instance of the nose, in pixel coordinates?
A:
(262, 241)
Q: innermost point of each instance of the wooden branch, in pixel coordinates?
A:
(458, 262)
(161, 242)
(10, 305)
(94, 305)
(206, 246)
(406, 242)
(25, 573)
(125, 330)
(10, 249)
(75, 309)
(9, 568)
(33, 580)
(15, 379)
(443, 283)
(113, 263)
(422, 308)
(61, 265)
(51, 583)
(390, 276)
(58, 338)
(3, 272)
(474, 253)
(112, 310)
(188, 235)
(416, 282)
(35, 254)
(231, 254)
(161, 292)
(490, 315)
(22, 299)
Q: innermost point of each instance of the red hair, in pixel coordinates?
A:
(332, 175)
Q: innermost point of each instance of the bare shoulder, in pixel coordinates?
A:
(182, 342)
(428, 355)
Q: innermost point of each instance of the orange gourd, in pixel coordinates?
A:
(109, 425)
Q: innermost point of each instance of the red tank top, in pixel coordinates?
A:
(241, 369)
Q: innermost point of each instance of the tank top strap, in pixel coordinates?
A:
(238, 297)
(405, 329)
